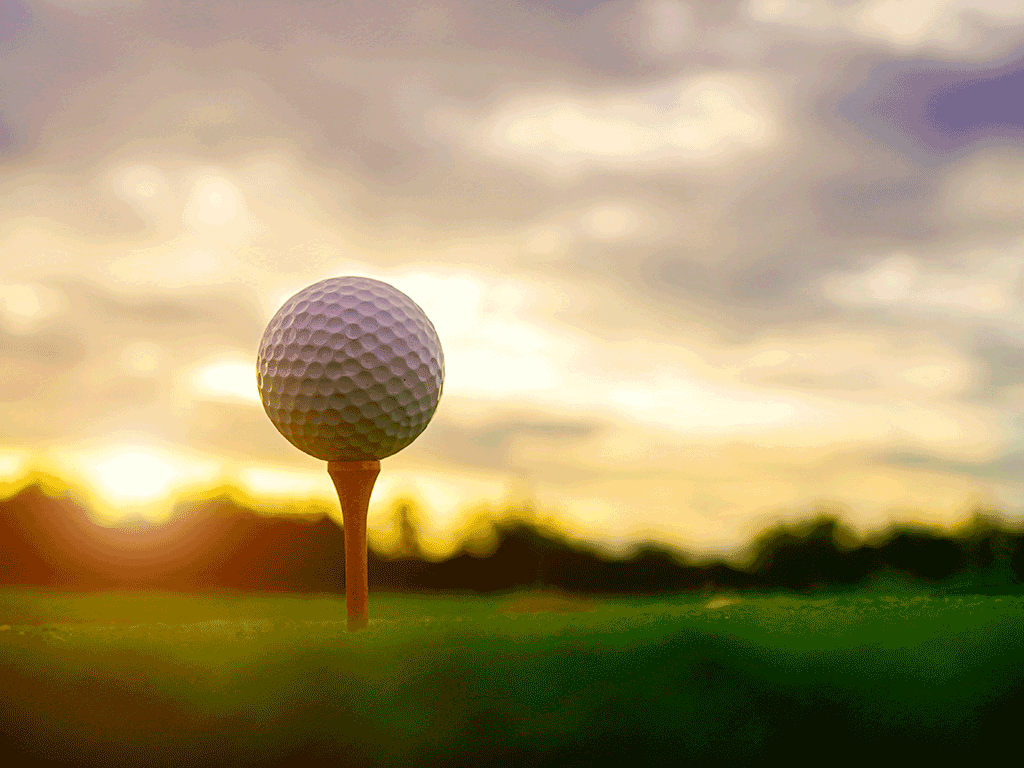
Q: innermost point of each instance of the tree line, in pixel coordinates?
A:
(219, 544)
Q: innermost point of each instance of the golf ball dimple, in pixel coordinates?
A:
(350, 369)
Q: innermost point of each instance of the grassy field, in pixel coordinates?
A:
(522, 679)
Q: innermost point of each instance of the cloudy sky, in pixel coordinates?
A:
(696, 266)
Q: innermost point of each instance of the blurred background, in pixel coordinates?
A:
(697, 267)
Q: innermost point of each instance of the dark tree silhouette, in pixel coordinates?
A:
(48, 540)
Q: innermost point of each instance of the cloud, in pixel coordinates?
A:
(103, 361)
(701, 122)
(989, 287)
(1001, 352)
(699, 258)
(236, 430)
(985, 190)
(498, 441)
(948, 28)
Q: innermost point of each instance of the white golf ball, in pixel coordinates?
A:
(350, 369)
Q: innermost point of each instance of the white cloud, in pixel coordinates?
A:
(987, 187)
(216, 209)
(707, 408)
(616, 220)
(965, 28)
(913, 25)
(493, 329)
(23, 306)
(858, 362)
(704, 122)
(547, 241)
(818, 15)
(667, 27)
(901, 282)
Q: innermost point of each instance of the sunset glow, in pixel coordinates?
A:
(134, 476)
(276, 483)
(688, 271)
(12, 465)
(132, 479)
(231, 378)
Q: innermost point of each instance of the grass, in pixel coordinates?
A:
(520, 679)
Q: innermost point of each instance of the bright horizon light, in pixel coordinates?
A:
(228, 378)
(278, 482)
(135, 476)
(12, 464)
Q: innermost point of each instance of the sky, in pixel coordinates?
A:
(697, 267)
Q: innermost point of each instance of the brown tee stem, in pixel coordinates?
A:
(354, 482)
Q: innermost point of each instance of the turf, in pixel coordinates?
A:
(156, 679)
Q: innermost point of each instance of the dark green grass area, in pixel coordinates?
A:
(157, 679)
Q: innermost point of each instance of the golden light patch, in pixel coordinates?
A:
(229, 378)
(118, 481)
(277, 483)
(13, 464)
(134, 475)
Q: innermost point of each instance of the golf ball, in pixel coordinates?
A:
(350, 369)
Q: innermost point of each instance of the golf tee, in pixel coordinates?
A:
(354, 482)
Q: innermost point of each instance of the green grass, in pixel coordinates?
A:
(522, 679)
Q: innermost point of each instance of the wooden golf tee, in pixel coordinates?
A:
(354, 482)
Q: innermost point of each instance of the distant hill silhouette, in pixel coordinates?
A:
(217, 544)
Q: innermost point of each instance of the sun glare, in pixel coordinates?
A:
(135, 476)
(283, 483)
(12, 465)
(227, 379)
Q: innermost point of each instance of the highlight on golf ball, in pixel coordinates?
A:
(350, 369)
